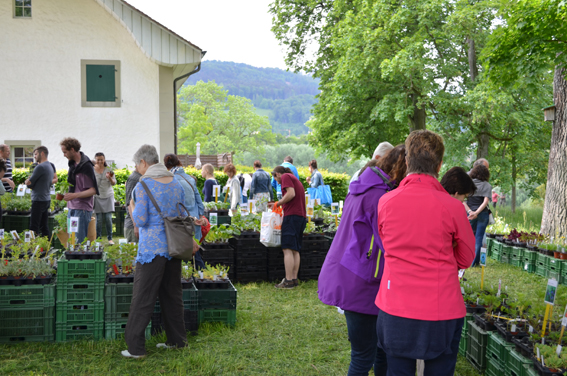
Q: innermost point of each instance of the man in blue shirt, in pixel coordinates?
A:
(288, 162)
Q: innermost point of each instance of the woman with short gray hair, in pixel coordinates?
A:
(157, 274)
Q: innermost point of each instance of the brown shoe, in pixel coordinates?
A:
(285, 284)
(295, 282)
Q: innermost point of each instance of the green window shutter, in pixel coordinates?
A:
(101, 85)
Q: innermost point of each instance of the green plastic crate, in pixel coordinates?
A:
(541, 270)
(463, 344)
(555, 265)
(227, 316)
(476, 354)
(493, 368)
(480, 336)
(530, 256)
(516, 362)
(543, 259)
(117, 299)
(27, 296)
(223, 299)
(79, 312)
(80, 292)
(497, 246)
(529, 267)
(19, 223)
(73, 332)
(496, 255)
(505, 258)
(517, 252)
(26, 324)
(87, 271)
(191, 299)
(554, 274)
(115, 330)
(497, 348)
(506, 249)
(516, 262)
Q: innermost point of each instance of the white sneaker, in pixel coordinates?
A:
(164, 346)
(127, 354)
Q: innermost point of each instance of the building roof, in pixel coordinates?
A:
(160, 44)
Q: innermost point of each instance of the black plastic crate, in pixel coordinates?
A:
(245, 277)
(306, 274)
(275, 256)
(313, 259)
(313, 244)
(276, 273)
(191, 319)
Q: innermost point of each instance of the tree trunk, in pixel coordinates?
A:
(417, 120)
(514, 175)
(473, 68)
(554, 221)
(483, 143)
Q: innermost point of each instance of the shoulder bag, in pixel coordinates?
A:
(179, 230)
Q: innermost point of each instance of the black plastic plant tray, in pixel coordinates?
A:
(81, 255)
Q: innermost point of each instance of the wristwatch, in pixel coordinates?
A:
(469, 212)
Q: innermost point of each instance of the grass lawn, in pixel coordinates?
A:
(277, 333)
(530, 221)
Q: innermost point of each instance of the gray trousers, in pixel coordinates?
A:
(130, 235)
(159, 278)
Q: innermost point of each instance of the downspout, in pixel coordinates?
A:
(184, 77)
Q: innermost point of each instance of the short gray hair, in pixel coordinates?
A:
(382, 149)
(146, 153)
(479, 161)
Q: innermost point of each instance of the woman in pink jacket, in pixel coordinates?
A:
(427, 239)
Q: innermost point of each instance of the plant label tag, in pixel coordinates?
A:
(201, 276)
(506, 288)
(318, 201)
(52, 190)
(341, 204)
(15, 235)
(310, 210)
(213, 219)
(477, 299)
(564, 318)
(499, 288)
(482, 256)
(335, 208)
(542, 362)
(531, 329)
(462, 290)
(216, 190)
(28, 191)
(1, 233)
(252, 206)
(97, 246)
(225, 189)
(74, 225)
(21, 190)
(558, 350)
(513, 329)
(123, 241)
(35, 251)
(27, 236)
(88, 243)
(32, 235)
(538, 356)
(71, 248)
(85, 248)
(550, 291)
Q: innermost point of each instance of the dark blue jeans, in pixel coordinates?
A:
(479, 228)
(84, 220)
(443, 365)
(364, 353)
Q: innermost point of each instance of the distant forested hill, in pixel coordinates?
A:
(285, 97)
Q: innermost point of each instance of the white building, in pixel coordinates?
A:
(97, 70)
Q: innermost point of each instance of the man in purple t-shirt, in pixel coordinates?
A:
(82, 183)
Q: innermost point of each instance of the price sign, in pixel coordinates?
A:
(213, 219)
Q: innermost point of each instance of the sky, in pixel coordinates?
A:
(228, 30)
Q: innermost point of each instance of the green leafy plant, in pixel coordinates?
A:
(221, 233)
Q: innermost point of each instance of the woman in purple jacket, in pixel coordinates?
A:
(350, 277)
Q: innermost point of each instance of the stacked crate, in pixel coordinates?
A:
(190, 312)
(276, 267)
(476, 348)
(251, 258)
(220, 254)
(117, 300)
(506, 253)
(465, 335)
(497, 354)
(530, 260)
(516, 363)
(27, 313)
(517, 257)
(80, 299)
(313, 253)
(496, 250)
(542, 264)
(555, 269)
(218, 305)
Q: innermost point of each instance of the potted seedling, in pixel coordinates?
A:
(63, 186)
(120, 259)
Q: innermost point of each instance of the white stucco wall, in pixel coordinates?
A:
(40, 81)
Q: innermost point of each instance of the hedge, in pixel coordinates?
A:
(337, 182)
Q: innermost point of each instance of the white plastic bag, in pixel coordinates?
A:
(271, 229)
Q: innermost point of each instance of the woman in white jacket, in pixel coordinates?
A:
(234, 190)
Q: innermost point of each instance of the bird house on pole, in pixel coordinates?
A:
(549, 113)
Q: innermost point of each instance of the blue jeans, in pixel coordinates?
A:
(443, 365)
(84, 220)
(244, 199)
(107, 219)
(364, 351)
(479, 228)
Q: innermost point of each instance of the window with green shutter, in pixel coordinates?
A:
(100, 81)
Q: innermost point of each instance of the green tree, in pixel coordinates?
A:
(220, 122)
(531, 41)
